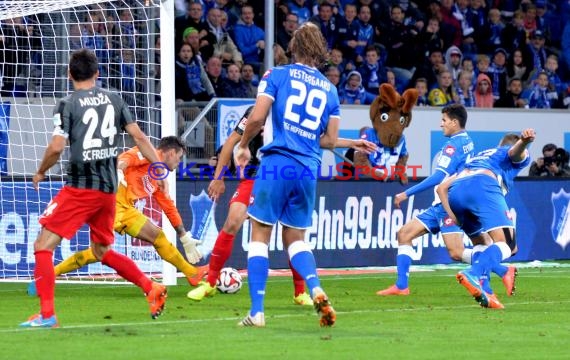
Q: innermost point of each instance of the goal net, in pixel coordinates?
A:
(36, 40)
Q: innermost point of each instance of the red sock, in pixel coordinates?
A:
(127, 269)
(45, 282)
(220, 254)
(298, 281)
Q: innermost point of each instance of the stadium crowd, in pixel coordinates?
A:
(480, 53)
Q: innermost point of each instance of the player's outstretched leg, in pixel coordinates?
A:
(127, 269)
(156, 298)
(509, 280)
(169, 253)
(471, 282)
(303, 261)
(196, 279)
(403, 263)
(72, 263)
(220, 254)
(508, 275)
(204, 289)
(473, 285)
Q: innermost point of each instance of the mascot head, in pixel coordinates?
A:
(391, 113)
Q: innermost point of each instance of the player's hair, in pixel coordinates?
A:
(171, 142)
(308, 45)
(83, 65)
(509, 139)
(457, 112)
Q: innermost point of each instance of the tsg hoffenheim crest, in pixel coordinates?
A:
(203, 223)
(561, 218)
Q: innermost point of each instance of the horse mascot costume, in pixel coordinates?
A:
(391, 114)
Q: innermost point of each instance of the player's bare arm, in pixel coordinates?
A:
(145, 146)
(442, 192)
(330, 137)
(359, 145)
(51, 156)
(143, 143)
(255, 122)
(217, 186)
(121, 167)
(517, 152)
(180, 230)
(399, 198)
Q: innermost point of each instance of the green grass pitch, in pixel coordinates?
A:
(437, 321)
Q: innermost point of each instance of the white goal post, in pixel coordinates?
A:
(36, 39)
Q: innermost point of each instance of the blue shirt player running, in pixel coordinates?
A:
(451, 160)
(475, 198)
(305, 117)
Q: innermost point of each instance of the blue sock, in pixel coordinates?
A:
(257, 272)
(304, 263)
(486, 284)
(475, 256)
(403, 263)
(488, 258)
(500, 269)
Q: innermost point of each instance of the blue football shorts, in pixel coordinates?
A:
(479, 204)
(283, 191)
(435, 219)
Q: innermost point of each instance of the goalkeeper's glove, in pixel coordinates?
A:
(192, 253)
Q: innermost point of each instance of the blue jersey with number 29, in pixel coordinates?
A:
(303, 101)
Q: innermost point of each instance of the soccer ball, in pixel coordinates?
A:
(229, 281)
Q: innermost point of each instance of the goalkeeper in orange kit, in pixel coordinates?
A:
(136, 182)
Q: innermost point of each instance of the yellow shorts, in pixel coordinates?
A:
(127, 218)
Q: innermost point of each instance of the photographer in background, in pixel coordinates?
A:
(553, 163)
